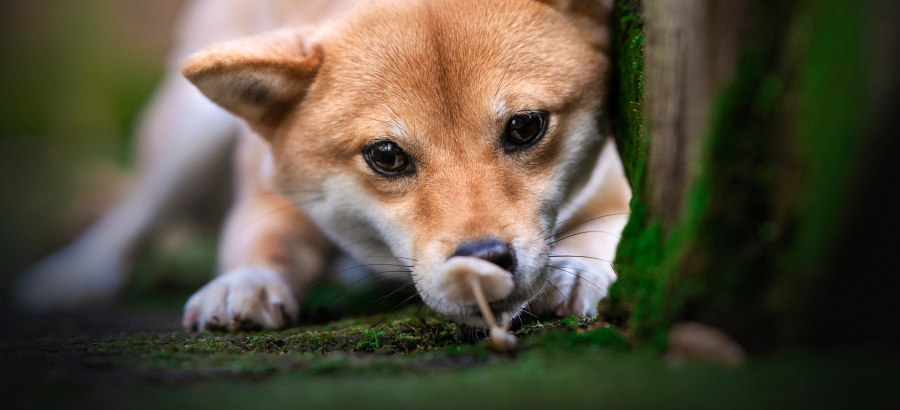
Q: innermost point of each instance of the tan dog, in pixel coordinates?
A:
(449, 137)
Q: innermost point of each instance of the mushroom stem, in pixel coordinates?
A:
(500, 336)
(482, 302)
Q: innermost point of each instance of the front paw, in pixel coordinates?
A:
(249, 298)
(576, 289)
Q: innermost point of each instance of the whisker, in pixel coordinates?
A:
(401, 304)
(529, 314)
(333, 274)
(344, 294)
(405, 301)
(417, 311)
(580, 233)
(556, 224)
(381, 256)
(578, 256)
(393, 265)
(399, 289)
(345, 291)
(582, 223)
(544, 296)
(611, 263)
(557, 289)
(350, 244)
(580, 277)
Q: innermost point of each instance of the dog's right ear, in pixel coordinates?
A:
(257, 78)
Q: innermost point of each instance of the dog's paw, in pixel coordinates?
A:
(80, 275)
(249, 298)
(575, 289)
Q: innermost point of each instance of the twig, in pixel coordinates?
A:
(420, 336)
(398, 339)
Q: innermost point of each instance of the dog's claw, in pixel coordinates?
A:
(278, 314)
(190, 319)
(255, 298)
(235, 322)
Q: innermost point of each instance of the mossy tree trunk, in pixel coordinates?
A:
(762, 118)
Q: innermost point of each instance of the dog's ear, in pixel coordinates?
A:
(257, 78)
(591, 16)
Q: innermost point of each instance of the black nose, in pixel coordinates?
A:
(492, 250)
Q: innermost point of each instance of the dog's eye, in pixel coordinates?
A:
(386, 158)
(525, 129)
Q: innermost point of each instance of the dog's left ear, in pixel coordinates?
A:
(257, 78)
(591, 16)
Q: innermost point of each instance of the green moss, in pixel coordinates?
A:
(642, 246)
(567, 362)
(382, 343)
(779, 154)
(626, 94)
(774, 172)
(832, 126)
(716, 265)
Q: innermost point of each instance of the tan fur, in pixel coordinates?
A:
(440, 78)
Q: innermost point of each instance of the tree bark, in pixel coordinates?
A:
(752, 161)
(691, 51)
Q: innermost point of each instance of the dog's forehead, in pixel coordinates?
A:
(458, 58)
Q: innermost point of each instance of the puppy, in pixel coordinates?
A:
(440, 140)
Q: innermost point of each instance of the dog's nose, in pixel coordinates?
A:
(497, 252)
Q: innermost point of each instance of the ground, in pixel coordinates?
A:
(350, 352)
(361, 362)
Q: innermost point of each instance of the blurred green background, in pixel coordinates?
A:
(74, 77)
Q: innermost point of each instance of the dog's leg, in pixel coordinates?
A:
(183, 137)
(270, 252)
(581, 257)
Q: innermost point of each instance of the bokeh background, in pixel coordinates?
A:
(74, 77)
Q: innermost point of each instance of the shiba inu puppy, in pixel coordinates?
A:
(443, 139)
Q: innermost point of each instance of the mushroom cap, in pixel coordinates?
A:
(456, 276)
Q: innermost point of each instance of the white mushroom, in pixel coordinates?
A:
(466, 278)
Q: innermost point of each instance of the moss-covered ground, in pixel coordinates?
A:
(408, 362)
(348, 352)
(392, 360)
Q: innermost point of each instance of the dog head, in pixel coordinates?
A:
(446, 133)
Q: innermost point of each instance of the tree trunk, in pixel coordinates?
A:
(691, 50)
(752, 160)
